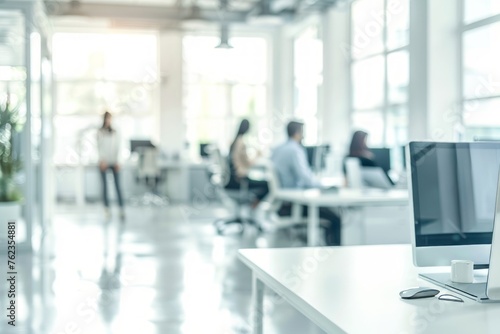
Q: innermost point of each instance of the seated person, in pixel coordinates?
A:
(240, 163)
(293, 171)
(359, 149)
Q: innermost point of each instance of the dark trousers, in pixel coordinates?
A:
(116, 177)
(332, 229)
(257, 187)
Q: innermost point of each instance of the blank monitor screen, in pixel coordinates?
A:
(454, 189)
(316, 156)
(138, 143)
(204, 152)
(382, 156)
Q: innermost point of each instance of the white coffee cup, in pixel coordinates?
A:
(462, 271)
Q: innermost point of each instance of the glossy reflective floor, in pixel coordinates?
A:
(163, 271)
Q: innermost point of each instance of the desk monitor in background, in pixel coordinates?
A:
(486, 139)
(316, 156)
(452, 188)
(403, 155)
(204, 152)
(137, 143)
(382, 157)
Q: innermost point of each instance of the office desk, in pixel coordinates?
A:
(355, 289)
(184, 181)
(315, 199)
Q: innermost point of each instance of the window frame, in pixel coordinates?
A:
(229, 116)
(463, 29)
(386, 107)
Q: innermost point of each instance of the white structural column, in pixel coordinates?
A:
(172, 126)
(334, 115)
(172, 129)
(417, 101)
(443, 82)
(281, 83)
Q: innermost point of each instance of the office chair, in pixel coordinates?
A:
(240, 199)
(149, 173)
(295, 225)
(353, 173)
(289, 224)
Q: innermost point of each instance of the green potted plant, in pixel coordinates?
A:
(11, 123)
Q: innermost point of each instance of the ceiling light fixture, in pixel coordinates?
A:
(224, 29)
(224, 37)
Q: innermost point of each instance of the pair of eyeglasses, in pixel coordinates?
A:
(450, 298)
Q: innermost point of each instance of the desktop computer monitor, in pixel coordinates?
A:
(403, 156)
(452, 188)
(135, 144)
(316, 156)
(205, 150)
(382, 157)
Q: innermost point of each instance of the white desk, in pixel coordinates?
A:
(356, 290)
(315, 199)
(83, 181)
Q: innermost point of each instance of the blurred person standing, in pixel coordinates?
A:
(108, 150)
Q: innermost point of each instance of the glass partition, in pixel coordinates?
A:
(21, 52)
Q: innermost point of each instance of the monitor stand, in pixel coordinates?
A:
(475, 290)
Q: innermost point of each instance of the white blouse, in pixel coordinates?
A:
(108, 146)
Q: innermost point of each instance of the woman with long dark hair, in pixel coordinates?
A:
(359, 149)
(240, 163)
(108, 151)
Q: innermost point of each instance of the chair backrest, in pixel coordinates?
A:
(272, 178)
(353, 173)
(218, 169)
(274, 185)
(148, 162)
(219, 176)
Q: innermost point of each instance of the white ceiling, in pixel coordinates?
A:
(245, 5)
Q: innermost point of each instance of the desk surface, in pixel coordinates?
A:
(356, 290)
(133, 164)
(345, 196)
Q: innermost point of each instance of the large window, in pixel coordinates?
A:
(95, 72)
(308, 77)
(380, 70)
(481, 70)
(222, 86)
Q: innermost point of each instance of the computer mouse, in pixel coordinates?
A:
(420, 292)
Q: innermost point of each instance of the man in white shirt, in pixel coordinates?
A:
(290, 162)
